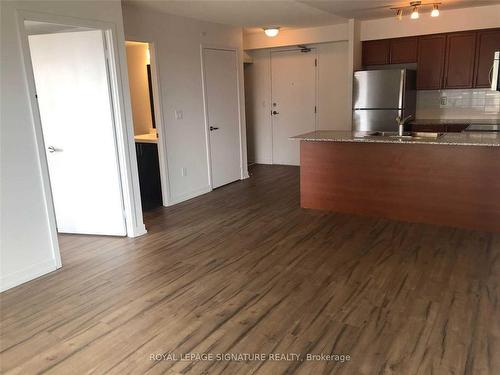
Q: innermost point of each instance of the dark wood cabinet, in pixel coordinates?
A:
(430, 61)
(403, 50)
(149, 175)
(459, 67)
(438, 128)
(429, 128)
(452, 60)
(375, 52)
(488, 41)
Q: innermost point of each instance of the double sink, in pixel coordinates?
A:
(412, 135)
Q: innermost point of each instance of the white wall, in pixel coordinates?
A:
(137, 60)
(26, 248)
(448, 21)
(334, 111)
(177, 43)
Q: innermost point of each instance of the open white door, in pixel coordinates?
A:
(223, 118)
(71, 78)
(293, 86)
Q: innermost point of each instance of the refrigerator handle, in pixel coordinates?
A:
(402, 89)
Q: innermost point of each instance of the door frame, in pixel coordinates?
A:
(316, 88)
(159, 118)
(122, 124)
(241, 114)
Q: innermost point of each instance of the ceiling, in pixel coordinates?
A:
(255, 14)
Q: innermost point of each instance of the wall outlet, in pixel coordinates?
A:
(444, 101)
(184, 171)
(179, 114)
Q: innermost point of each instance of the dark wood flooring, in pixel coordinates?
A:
(245, 270)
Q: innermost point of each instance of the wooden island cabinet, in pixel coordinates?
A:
(443, 61)
(449, 180)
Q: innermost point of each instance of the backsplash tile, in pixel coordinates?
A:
(457, 104)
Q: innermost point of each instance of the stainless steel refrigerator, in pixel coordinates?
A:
(379, 96)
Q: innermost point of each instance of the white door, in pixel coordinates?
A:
(75, 108)
(223, 116)
(293, 104)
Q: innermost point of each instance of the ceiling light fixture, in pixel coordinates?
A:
(414, 13)
(271, 32)
(399, 14)
(435, 10)
(415, 7)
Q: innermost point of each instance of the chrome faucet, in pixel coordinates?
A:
(401, 124)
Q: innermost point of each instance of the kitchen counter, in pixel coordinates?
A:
(146, 138)
(450, 139)
(451, 180)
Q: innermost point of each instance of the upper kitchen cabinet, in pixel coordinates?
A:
(375, 52)
(460, 53)
(403, 50)
(488, 41)
(430, 61)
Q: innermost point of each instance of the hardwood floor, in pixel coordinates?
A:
(245, 270)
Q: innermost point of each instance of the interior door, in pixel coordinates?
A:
(223, 116)
(293, 86)
(76, 112)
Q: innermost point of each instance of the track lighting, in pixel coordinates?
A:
(399, 14)
(415, 10)
(435, 10)
(414, 13)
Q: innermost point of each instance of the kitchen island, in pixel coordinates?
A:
(453, 179)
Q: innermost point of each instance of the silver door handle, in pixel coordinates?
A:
(53, 149)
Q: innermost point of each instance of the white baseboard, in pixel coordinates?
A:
(244, 173)
(189, 195)
(27, 274)
(263, 161)
(138, 231)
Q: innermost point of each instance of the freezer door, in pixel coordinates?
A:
(382, 89)
(375, 120)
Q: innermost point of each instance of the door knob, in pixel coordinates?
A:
(275, 113)
(53, 149)
(212, 128)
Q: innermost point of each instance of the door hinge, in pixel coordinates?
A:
(315, 109)
(315, 62)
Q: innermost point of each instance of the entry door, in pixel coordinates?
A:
(77, 121)
(222, 105)
(293, 111)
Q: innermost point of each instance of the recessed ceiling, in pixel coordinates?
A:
(253, 15)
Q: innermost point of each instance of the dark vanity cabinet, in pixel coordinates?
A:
(149, 174)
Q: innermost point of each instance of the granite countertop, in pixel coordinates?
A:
(492, 121)
(450, 139)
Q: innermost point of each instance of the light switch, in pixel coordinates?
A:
(179, 114)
